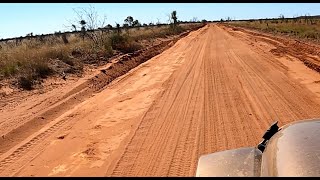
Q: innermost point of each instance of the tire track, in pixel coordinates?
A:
(164, 127)
(224, 96)
(12, 156)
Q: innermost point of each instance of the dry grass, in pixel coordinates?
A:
(298, 28)
(27, 62)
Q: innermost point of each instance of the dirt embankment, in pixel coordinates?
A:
(129, 61)
(307, 52)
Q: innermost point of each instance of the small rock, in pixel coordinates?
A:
(61, 137)
(103, 71)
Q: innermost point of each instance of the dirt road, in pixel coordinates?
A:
(215, 89)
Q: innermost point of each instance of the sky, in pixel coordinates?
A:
(19, 19)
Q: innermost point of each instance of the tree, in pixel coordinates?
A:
(83, 23)
(194, 19)
(281, 17)
(136, 23)
(158, 22)
(109, 26)
(91, 17)
(129, 20)
(118, 28)
(88, 21)
(174, 17)
(83, 28)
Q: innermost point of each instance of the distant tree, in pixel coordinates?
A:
(29, 34)
(109, 26)
(158, 22)
(82, 23)
(281, 17)
(90, 17)
(174, 17)
(136, 23)
(88, 21)
(194, 19)
(83, 28)
(129, 20)
(118, 28)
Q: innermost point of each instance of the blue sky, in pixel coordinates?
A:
(18, 19)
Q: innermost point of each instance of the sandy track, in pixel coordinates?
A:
(224, 97)
(213, 90)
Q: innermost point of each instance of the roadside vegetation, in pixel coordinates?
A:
(26, 61)
(306, 27)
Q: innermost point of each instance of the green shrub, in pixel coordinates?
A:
(118, 40)
(9, 69)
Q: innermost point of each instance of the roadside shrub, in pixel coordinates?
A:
(56, 53)
(124, 43)
(60, 52)
(108, 51)
(26, 82)
(77, 51)
(42, 69)
(9, 69)
(30, 73)
(130, 47)
(118, 40)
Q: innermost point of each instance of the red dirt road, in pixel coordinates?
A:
(213, 90)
